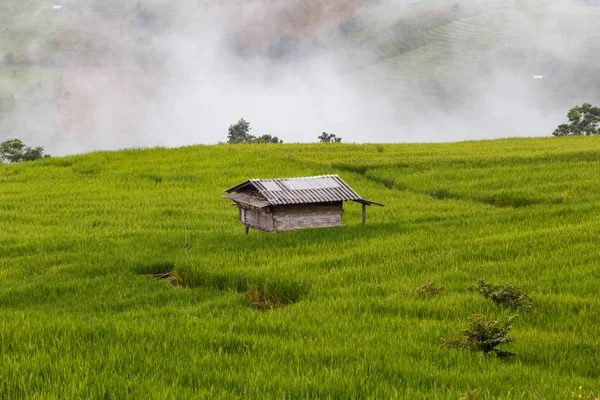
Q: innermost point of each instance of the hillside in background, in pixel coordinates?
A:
(124, 274)
(386, 71)
(317, 313)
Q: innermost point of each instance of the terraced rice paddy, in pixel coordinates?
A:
(27, 90)
(80, 318)
(539, 40)
(449, 69)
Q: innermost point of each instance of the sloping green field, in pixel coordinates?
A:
(508, 45)
(78, 319)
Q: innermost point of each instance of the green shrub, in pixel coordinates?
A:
(507, 295)
(482, 335)
(430, 289)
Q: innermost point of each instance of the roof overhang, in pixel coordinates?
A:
(240, 186)
(368, 202)
(248, 199)
(260, 193)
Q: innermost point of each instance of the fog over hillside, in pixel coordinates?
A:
(148, 73)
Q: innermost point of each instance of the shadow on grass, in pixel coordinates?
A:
(263, 293)
(273, 289)
(498, 199)
(236, 240)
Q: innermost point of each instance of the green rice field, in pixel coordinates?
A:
(81, 318)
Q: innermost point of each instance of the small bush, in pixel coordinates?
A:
(483, 336)
(430, 289)
(507, 295)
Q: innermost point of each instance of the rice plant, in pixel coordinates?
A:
(320, 313)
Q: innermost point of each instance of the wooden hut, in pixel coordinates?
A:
(286, 204)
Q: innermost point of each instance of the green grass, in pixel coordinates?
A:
(338, 313)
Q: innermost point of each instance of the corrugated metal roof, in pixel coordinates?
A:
(309, 189)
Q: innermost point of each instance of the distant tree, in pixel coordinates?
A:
(329, 138)
(9, 59)
(14, 150)
(240, 133)
(583, 121)
(267, 139)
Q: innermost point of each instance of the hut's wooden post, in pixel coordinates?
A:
(247, 229)
(364, 214)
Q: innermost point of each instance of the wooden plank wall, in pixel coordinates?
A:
(257, 219)
(292, 217)
(302, 216)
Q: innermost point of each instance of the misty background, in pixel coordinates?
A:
(82, 75)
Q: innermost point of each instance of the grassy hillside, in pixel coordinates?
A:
(80, 321)
(423, 61)
(496, 52)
